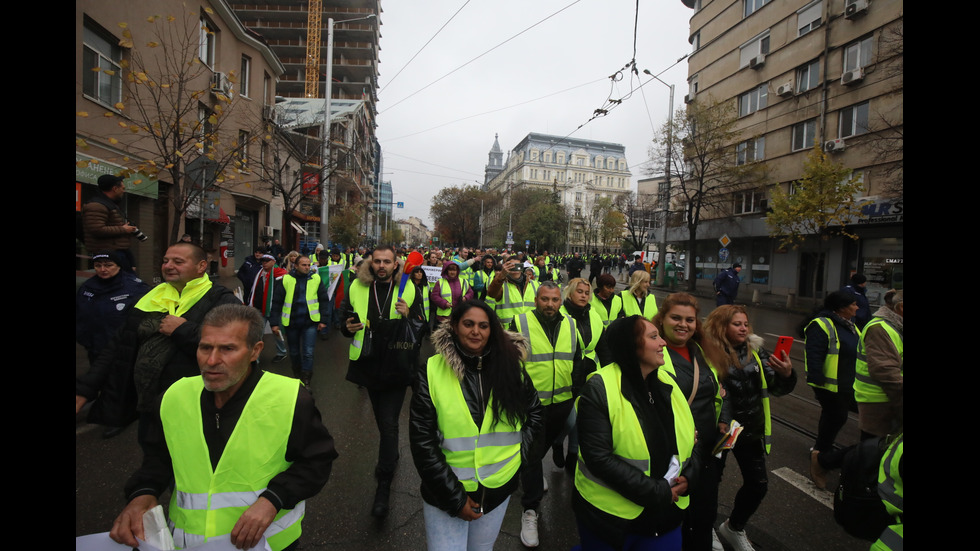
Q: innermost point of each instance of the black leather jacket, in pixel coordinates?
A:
(440, 487)
(743, 387)
(660, 515)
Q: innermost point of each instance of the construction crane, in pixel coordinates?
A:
(313, 49)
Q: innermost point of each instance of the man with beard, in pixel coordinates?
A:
(371, 310)
(512, 292)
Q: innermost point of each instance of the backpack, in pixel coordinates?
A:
(857, 506)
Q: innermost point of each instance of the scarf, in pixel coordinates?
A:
(167, 299)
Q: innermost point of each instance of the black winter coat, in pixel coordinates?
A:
(440, 487)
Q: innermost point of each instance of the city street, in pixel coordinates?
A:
(793, 516)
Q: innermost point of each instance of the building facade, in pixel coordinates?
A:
(799, 73)
(214, 109)
(582, 172)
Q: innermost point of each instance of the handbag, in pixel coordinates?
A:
(403, 347)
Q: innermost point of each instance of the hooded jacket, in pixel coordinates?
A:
(744, 393)
(457, 294)
(371, 372)
(440, 487)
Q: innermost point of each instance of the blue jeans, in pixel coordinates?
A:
(280, 343)
(446, 533)
(303, 338)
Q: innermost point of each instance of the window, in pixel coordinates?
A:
(808, 77)
(803, 134)
(692, 87)
(101, 78)
(561, 158)
(243, 77)
(750, 151)
(752, 6)
(808, 18)
(534, 154)
(207, 40)
(857, 54)
(853, 120)
(753, 48)
(243, 142)
(747, 202)
(753, 100)
(547, 157)
(696, 41)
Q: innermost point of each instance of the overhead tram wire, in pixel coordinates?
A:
(497, 110)
(479, 56)
(424, 45)
(431, 164)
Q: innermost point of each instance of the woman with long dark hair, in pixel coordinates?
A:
(637, 450)
(679, 323)
(751, 376)
(474, 416)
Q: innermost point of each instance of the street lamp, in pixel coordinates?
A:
(325, 180)
(670, 136)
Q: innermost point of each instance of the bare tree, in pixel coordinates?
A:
(637, 213)
(182, 122)
(704, 168)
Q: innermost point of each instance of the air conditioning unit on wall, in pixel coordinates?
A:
(220, 83)
(757, 62)
(785, 89)
(855, 9)
(851, 77)
(834, 146)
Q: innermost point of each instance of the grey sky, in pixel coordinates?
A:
(425, 144)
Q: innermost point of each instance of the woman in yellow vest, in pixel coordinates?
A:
(637, 300)
(636, 447)
(831, 352)
(751, 376)
(474, 416)
(679, 322)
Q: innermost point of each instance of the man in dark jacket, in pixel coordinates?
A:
(726, 285)
(574, 266)
(157, 344)
(293, 309)
(105, 224)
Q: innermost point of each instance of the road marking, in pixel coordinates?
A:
(806, 486)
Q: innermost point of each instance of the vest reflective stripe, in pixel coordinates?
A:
(892, 539)
(829, 367)
(767, 437)
(207, 504)
(279, 525)
(312, 300)
(359, 295)
(890, 486)
(550, 367)
(489, 455)
(607, 316)
(631, 306)
(595, 322)
(866, 389)
(446, 291)
(629, 443)
(512, 304)
(553, 272)
(425, 303)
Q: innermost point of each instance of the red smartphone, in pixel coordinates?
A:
(783, 345)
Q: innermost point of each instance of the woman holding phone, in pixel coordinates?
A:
(751, 376)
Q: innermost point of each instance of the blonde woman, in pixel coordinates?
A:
(637, 299)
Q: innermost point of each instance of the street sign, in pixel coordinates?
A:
(510, 235)
(724, 240)
(527, 243)
(400, 204)
(723, 255)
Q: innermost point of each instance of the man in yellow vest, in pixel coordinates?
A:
(553, 352)
(371, 310)
(511, 291)
(296, 305)
(241, 486)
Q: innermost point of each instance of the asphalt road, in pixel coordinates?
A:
(793, 516)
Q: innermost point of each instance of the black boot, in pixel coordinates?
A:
(380, 508)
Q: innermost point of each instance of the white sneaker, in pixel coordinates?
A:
(736, 538)
(546, 483)
(529, 528)
(715, 542)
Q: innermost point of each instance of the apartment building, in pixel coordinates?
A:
(799, 73)
(209, 83)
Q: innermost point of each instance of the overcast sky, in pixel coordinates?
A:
(440, 136)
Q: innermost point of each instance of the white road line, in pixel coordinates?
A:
(806, 486)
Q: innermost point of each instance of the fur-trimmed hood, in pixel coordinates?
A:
(365, 276)
(445, 344)
(891, 316)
